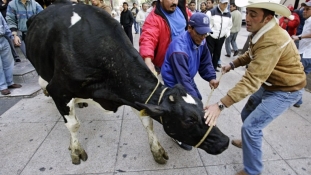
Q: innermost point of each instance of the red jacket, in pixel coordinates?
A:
(291, 26)
(156, 34)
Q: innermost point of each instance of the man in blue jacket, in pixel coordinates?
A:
(187, 55)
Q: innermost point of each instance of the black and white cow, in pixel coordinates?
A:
(84, 56)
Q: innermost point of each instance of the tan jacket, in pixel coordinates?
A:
(274, 63)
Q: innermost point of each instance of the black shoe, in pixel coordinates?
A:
(216, 70)
(228, 55)
(17, 60)
(219, 65)
(236, 53)
(297, 105)
(183, 145)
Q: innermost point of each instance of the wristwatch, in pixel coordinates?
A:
(220, 106)
(299, 37)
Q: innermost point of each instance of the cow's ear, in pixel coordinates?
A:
(152, 110)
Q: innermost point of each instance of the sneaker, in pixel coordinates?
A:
(216, 70)
(297, 105)
(183, 145)
(237, 143)
(228, 55)
(5, 92)
(236, 53)
(219, 65)
(17, 60)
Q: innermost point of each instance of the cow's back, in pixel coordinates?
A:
(70, 37)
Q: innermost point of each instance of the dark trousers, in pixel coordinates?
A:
(128, 32)
(214, 46)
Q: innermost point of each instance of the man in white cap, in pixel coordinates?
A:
(187, 55)
(274, 77)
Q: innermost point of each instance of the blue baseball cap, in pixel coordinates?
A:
(200, 23)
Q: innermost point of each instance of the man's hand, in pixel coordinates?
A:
(212, 112)
(17, 41)
(150, 64)
(214, 83)
(295, 37)
(225, 69)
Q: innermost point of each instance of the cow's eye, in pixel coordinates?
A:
(191, 120)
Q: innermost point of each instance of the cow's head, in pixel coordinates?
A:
(183, 119)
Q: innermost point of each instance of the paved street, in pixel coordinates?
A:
(34, 139)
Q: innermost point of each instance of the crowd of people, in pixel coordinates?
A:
(177, 41)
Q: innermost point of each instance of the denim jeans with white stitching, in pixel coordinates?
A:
(6, 64)
(261, 109)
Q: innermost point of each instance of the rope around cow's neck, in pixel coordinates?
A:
(210, 128)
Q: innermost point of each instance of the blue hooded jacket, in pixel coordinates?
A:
(183, 59)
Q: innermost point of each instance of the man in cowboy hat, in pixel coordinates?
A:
(274, 77)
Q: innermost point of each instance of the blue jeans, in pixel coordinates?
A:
(231, 40)
(136, 26)
(260, 110)
(306, 62)
(6, 64)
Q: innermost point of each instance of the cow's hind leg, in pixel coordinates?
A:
(158, 152)
(73, 125)
(43, 85)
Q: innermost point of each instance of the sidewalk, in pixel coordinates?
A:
(34, 139)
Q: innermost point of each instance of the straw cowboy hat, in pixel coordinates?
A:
(273, 5)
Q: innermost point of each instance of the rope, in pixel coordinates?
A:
(210, 128)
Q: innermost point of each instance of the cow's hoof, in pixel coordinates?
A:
(46, 93)
(76, 158)
(161, 156)
(83, 156)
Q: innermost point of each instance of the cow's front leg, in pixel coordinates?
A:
(156, 149)
(73, 125)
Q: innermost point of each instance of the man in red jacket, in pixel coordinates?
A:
(166, 21)
(290, 25)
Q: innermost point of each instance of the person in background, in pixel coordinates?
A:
(302, 22)
(203, 7)
(99, 4)
(17, 14)
(192, 7)
(220, 23)
(305, 43)
(187, 55)
(209, 4)
(272, 58)
(290, 25)
(134, 11)
(141, 16)
(126, 20)
(153, 5)
(236, 27)
(165, 23)
(6, 59)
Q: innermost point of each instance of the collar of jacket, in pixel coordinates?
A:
(181, 5)
(264, 29)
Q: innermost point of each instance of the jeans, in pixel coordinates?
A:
(136, 27)
(260, 110)
(306, 62)
(6, 64)
(231, 40)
